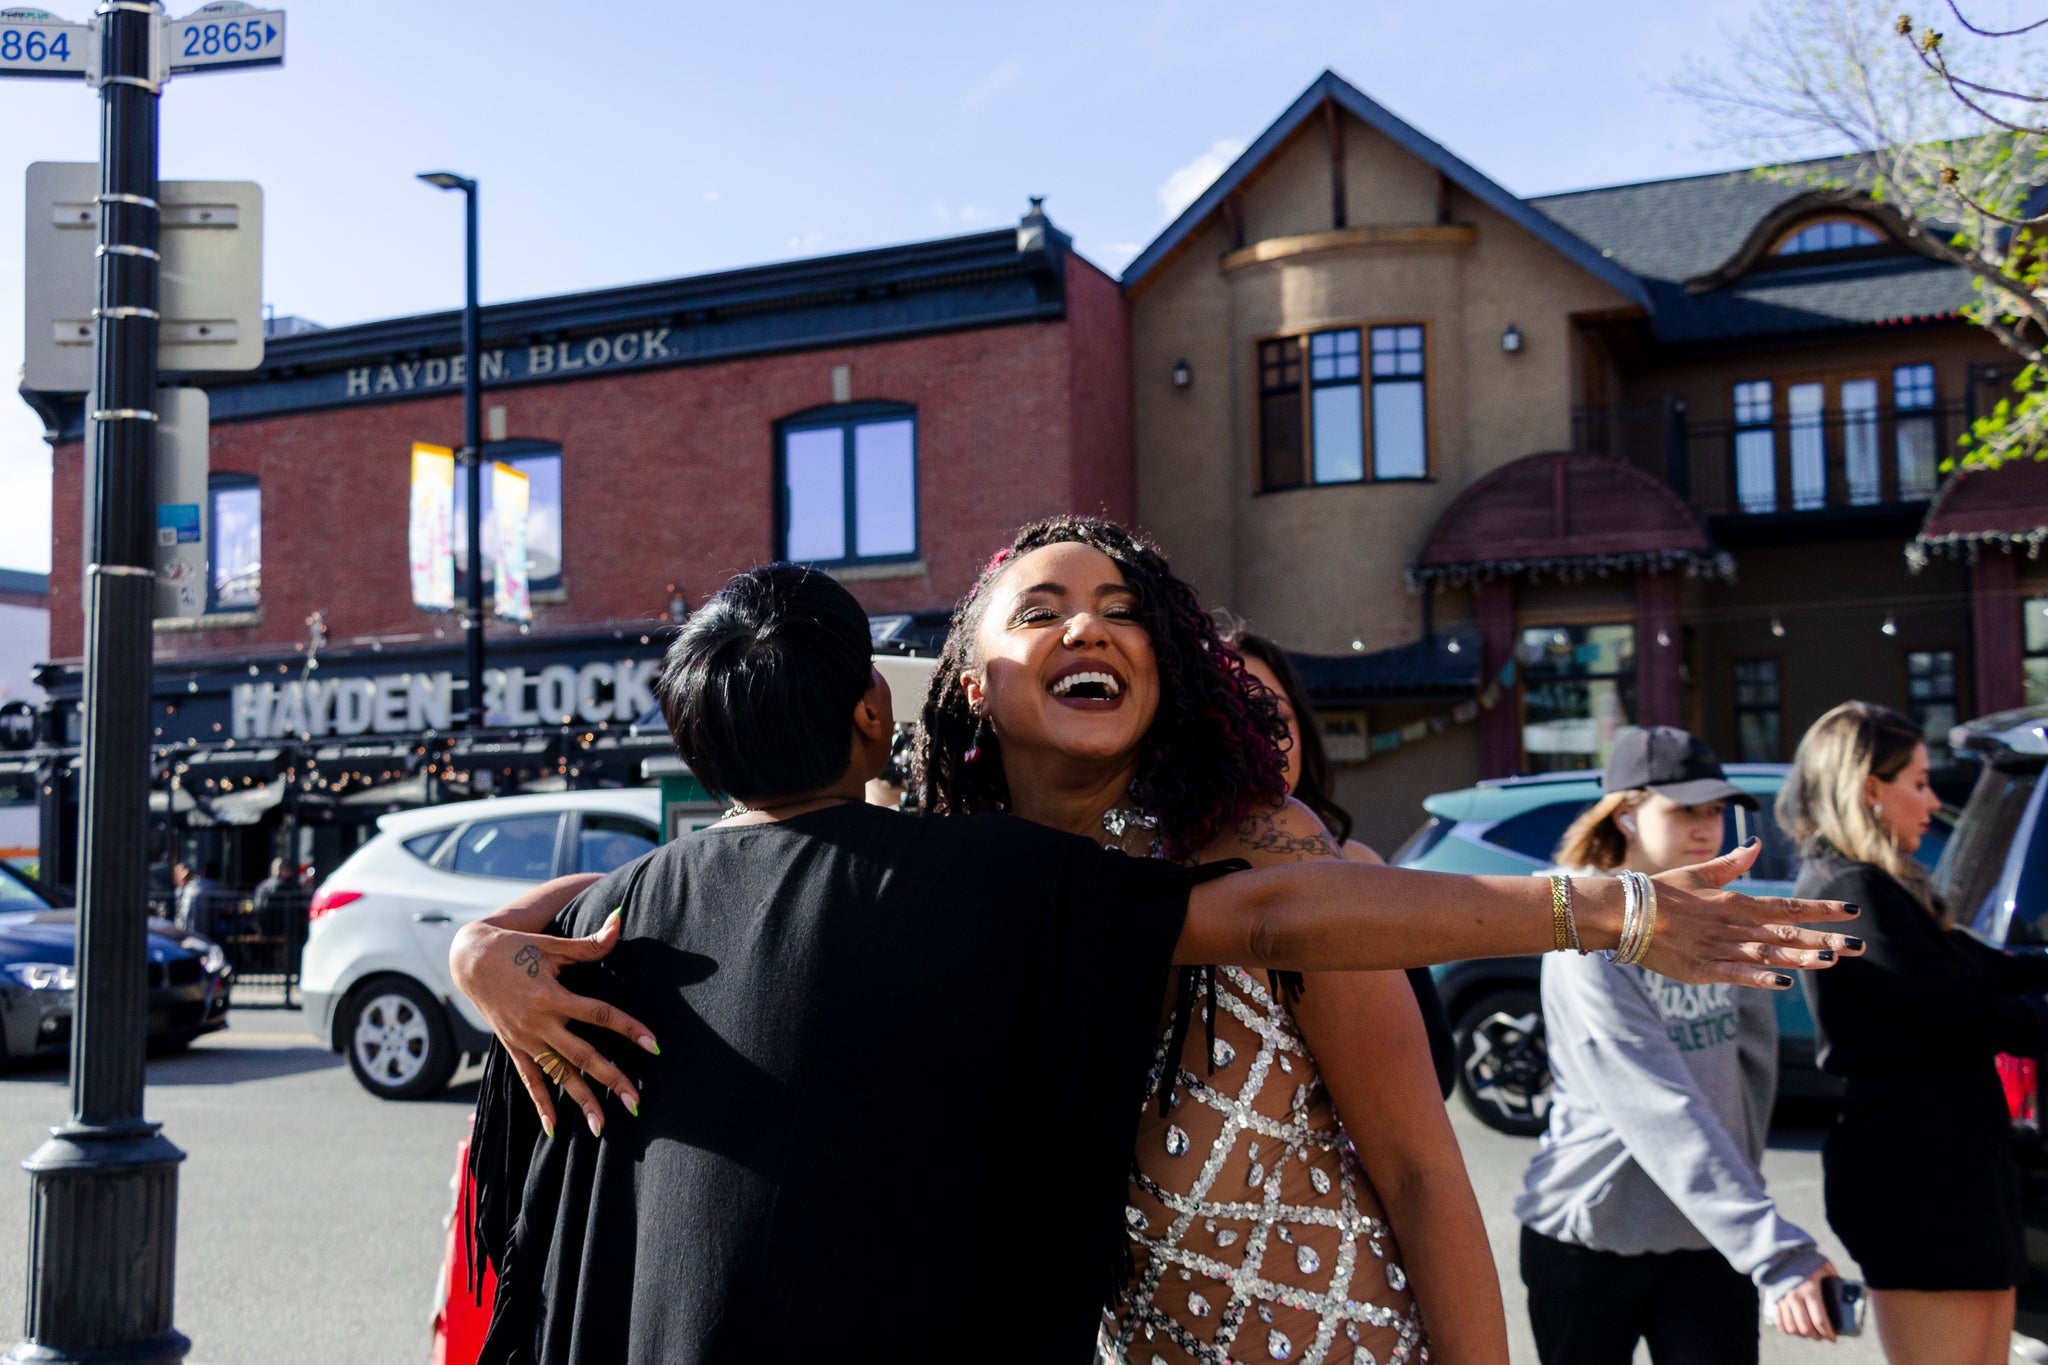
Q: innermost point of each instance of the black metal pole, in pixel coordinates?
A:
(103, 1190)
(472, 438)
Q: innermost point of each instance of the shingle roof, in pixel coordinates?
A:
(1669, 231)
(1332, 87)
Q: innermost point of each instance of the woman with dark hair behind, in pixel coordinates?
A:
(1310, 780)
(1083, 686)
(1921, 1185)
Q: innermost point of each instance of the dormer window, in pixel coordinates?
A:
(1829, 234)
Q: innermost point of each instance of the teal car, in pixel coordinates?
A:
(1510, 826)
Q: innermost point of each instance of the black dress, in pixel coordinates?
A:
(902, 1066)
(1921, 1185)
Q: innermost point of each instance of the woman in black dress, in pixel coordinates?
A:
(1920, 1180)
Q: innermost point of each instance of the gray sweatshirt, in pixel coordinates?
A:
(1658, 1120)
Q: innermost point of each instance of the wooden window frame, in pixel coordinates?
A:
(1300, 337)
(1737, 710)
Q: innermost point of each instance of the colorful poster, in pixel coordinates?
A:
(509, 499)
(431, 536)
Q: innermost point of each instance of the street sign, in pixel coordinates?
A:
(224, 35)
(210, 292)
(34, 42)
(183, 538)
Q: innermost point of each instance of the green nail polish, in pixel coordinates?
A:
(633, 1108)
(547, 1126)
(615, 914)
(647, 1044)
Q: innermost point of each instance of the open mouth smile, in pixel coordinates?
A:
(1088, 686)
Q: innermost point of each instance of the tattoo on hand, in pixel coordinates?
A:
(1263, 833)
(529, 958)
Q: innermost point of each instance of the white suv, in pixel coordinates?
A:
(375, 974)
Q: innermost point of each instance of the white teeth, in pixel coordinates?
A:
(1106, 681)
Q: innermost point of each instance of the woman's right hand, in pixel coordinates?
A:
(1705, 933)
(1803, 1310)
(514, 979)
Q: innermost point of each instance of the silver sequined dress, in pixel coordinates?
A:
(1256, 1235)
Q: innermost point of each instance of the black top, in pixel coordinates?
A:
(1921, 999)
(902, 1066)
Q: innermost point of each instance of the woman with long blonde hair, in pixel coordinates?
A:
(1920, 1180)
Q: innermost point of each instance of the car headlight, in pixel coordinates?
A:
(43, 976)
(211, 956)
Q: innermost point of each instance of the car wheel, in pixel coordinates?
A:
(1504, 1062)
(397, 1039)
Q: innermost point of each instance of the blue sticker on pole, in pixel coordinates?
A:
(177, 523)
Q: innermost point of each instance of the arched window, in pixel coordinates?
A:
(1828, 234)
(846, 484)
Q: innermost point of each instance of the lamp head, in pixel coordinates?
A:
(447, 180)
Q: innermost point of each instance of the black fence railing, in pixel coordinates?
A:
(262, 930)
(1782, 461)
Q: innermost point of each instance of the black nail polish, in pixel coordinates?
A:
(1854, 945)
(1826, 955)
(1752, 841)
(1781, 981)
(1852, 908)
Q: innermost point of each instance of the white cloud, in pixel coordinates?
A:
(1006, 74)
(1185, 185)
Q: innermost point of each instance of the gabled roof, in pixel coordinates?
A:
(1668, 232)
(1331, 87)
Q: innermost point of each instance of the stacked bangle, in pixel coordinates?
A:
(1638, 918)
(1564, 925)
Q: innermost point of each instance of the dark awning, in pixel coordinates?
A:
(1569, 515)
(1436, 666)
(2005, 507)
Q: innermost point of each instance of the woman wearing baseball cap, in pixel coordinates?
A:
(1643, 1213)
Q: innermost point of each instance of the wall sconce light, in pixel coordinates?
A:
(1183, 374)
(1511, 339)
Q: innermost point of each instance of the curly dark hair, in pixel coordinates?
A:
(1212, 754)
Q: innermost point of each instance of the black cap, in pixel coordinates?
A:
(1673, 764)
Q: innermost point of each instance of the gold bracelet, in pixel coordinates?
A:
(1560, 913)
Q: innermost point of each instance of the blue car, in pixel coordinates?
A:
(188, 976)
(1510, 826)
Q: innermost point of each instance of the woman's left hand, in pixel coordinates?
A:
(1803, 1312)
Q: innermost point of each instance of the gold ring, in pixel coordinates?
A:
(551, 1065)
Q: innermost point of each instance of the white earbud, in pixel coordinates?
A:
(1627, 822)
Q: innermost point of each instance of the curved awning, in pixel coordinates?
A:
(1569, 515)
(2006, 507)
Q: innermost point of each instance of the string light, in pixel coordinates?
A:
(1890, 626)
(1777, 626)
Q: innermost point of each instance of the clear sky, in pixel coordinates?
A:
(640, 139)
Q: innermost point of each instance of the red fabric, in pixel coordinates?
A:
(2022, 1098)
(460, 1325)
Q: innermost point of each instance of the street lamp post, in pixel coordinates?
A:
(472, 716)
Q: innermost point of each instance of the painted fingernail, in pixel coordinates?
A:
(548, 1126)
(1752, 841)
(1852, 907)
(632, 1104)
(646, 1041)
(614, 915)
(596, 1125)
(1826, 955)
(1781, 981)
(1851, 944)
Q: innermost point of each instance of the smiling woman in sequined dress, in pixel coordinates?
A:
(1082, 686)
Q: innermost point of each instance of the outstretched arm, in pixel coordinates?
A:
(1334, 916)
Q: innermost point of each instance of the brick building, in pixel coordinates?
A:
(889, 414)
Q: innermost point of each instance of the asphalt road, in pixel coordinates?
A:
(312, 1217)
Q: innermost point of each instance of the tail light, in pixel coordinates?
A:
(2019, 1076)
(326, 902)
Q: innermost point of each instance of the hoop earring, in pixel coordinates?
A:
(973, 754)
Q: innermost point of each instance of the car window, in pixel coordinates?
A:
(1432, 833)
(520, 846)
(1535, 833)
(15, 895)
(1969, 871)
(609, 842)
(424, 846)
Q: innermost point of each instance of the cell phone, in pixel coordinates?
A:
(1848, 1303)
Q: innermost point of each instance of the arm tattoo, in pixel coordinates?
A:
(1263, 833)
(529, 958)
